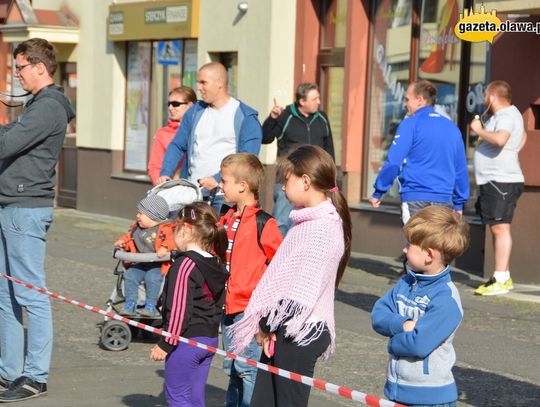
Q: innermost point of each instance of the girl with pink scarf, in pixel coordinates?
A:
(291, 311)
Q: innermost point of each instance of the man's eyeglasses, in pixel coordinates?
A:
(19, 68)
(175, 103)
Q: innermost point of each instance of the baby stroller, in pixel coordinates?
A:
(116, 335)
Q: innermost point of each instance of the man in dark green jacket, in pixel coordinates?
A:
(299, 123)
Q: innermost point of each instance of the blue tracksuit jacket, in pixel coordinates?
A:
(420, 365)
(435, 167)
(246, 127)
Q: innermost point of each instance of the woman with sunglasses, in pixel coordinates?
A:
(180, 100)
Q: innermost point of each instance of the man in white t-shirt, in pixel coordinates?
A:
(499, 176)
(216, 126)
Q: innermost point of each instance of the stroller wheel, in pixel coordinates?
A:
(115, 335)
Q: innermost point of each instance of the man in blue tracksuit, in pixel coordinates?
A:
(427, 154)
(212, 129)
(422, 312)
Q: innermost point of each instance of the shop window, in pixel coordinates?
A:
(153, 69)
(389, 77)
(334, 23)
(333, 78)
(439, 52)
(331, 62)
(437, 58)
(139, 56)
(474, 105)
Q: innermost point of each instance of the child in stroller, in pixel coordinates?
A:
(150, 233)
(116, 335)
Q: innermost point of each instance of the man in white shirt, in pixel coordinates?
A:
(499, 176)
(216, 126)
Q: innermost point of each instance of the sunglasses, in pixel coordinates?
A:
(175, 103)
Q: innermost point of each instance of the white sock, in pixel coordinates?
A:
(501, 276)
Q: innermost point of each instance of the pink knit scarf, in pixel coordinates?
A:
(298, 287)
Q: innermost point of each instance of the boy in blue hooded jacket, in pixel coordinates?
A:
(422, 312)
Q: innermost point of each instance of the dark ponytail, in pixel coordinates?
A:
(211, 235)
(342, 208)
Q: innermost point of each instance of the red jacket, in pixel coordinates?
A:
(162, 139)
(248, 262)
(164, 238)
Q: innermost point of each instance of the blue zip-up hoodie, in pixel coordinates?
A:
(436, 166)
(246, 127)
(420, 365)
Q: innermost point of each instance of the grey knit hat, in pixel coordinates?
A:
(155, 207)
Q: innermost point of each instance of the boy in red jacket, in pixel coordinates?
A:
(150, 233)
(253, 240)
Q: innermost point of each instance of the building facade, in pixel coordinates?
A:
(119, 59)
(382, 45)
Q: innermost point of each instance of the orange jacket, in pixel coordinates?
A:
(164, 238)
(248, 262)
(162, 139)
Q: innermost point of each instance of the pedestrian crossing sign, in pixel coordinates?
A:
(169, 52)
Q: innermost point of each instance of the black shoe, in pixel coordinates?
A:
(4, 384)
(23, 388)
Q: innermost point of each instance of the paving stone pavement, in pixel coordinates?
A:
(497, 344)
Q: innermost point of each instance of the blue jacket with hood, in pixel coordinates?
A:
(246, 127)
(420, 365)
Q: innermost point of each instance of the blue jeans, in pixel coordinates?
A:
(152, 278)
(408, 209)
(452, 404)
(282, 208)
(241, 375)
(22, 256)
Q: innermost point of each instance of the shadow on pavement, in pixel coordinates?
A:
(394, 271)
(358, 300)
(464, 278)
(479, 388)
(215, 397)
(144, 400)
(376, 267)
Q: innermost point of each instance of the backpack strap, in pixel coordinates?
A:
(261, 217)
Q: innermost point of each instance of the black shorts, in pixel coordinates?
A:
(497, 201)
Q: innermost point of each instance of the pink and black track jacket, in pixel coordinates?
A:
(193, 298)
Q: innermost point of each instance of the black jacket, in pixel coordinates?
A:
(292, 128)
(30, 147)
(193, 298)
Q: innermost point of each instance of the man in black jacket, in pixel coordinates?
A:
(29, 150)
(299, 123)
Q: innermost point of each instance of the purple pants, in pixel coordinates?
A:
(186, 372)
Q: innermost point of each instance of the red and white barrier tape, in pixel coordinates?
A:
(368, 399)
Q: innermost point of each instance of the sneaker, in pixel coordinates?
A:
(509, 284)
(150, 311)
(493, 287)
(129, 309)
(4, 384)
(23, 388)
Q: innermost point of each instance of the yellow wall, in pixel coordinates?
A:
(100, 78)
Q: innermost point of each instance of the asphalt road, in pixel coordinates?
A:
(497, 345)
